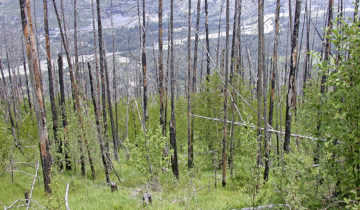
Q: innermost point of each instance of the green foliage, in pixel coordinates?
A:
(336, 115)
(147, 149)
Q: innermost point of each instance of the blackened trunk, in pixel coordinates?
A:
(161, 70)
(225, 93)
(291, 95)
(51, 85)
(189, 130)
(207, 42)
(63, 113)
(272, 89)
(98, 127)
(174, 160)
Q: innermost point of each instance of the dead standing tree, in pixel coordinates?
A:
(225, 93)
(291, 95)
(272, 89)
(28, 33)
(51, 84)
(105, 82)
(174, 159)
(78, 107)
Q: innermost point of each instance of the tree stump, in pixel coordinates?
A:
(147, 198)
(113, 186)
(26, 197)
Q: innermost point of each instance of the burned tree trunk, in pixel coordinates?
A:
(225, 93)
(143, 62)
(261, 67)
(161, 70)
(26, 77)
(291, 95)
(307, 50)
(78, 107)
(44, 144)
(174, 159)
(105, 75)
(63, 114)
(233, 66)
(207, 42)
(272, 89)
(98, 127)
(51, 84)
(196, 43)
(190, 142)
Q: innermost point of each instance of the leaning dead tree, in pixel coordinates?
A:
(28, 33)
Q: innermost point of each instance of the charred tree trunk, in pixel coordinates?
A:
(261, 67)
(161, 71)
(272, 89)
(233, 66)
(196, 43)
(26, 77)
(174, 159)
(51, 85)
(225, 93)
(96, 52)
(98, 127)
(63, 113)
(44, 143)
(189, 130)
(207, 42)
(307, 50)
(77, 102)
(291, 95)
(143, 62)
(114, 79)
(105, 76)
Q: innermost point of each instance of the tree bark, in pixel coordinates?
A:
(105, 75)
(77, 102)
(143, 62)
(225, 93)
(196, 43)
(51, 85)
(261, 67)
(189, 130)
(98, 127)
(44, 144)
(207, 42)
(174, 159)
(161, 70)
(63, 113)
(26, 77)
(291, 95)
(272, 89)
(233, 66)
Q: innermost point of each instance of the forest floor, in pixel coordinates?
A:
(194, 190)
